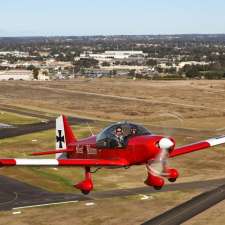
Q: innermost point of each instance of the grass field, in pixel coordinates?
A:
(16, 119)
(195, 105)
(112, 99)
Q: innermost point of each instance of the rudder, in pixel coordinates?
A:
(65, 138)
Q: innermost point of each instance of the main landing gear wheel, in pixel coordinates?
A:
(172, 179)
(157, 187)
(86, 185)
(85, 192)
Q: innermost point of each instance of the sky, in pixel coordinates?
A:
(110, 17)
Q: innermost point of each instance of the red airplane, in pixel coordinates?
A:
(121, 144)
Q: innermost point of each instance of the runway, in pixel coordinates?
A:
(48, 122)
(36, 127)
(16, 194)
(3, 125)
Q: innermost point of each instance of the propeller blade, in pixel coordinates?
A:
(160, 163)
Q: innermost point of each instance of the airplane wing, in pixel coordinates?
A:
(198, 146)
(52, 152)
(62, 162)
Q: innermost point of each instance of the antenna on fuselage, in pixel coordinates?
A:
(92, 134)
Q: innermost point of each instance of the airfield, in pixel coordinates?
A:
(187, 110)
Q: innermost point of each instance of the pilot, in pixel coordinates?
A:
(119, 136)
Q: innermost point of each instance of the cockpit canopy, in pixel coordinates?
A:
(117, 135)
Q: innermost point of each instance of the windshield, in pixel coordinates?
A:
(117, 135)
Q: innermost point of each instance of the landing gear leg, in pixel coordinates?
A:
(86, 185)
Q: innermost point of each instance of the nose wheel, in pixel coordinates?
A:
(172, 174)
(157, 187)
(156, 180)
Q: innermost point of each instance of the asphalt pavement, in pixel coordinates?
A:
(14, 193)
(189, 209)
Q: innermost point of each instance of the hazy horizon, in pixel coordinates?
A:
(30, 18)
(111, 35)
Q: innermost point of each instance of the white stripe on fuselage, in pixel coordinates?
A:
(37, 162)
(216, 141)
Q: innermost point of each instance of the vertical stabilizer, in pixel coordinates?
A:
(64, 136)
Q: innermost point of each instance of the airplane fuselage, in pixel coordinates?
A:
(138, 150)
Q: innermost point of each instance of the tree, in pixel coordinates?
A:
(151, 62)
(45, 72)
(36, 73)
(132, 73)
(105, 64)
(113, 72)
(86, 63)
(31, 67)
(191, 71)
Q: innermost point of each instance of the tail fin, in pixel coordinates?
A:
(64, 136)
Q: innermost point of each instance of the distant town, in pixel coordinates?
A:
(134, 57)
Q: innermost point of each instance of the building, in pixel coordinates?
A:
(110, 55)
(17, 54)
(16, 75)
(192, 63)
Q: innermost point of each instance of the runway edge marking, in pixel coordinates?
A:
(42, 205)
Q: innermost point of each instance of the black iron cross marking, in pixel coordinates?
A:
(60, 138)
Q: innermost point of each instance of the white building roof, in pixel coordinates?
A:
(16, 72)
(112, 54)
